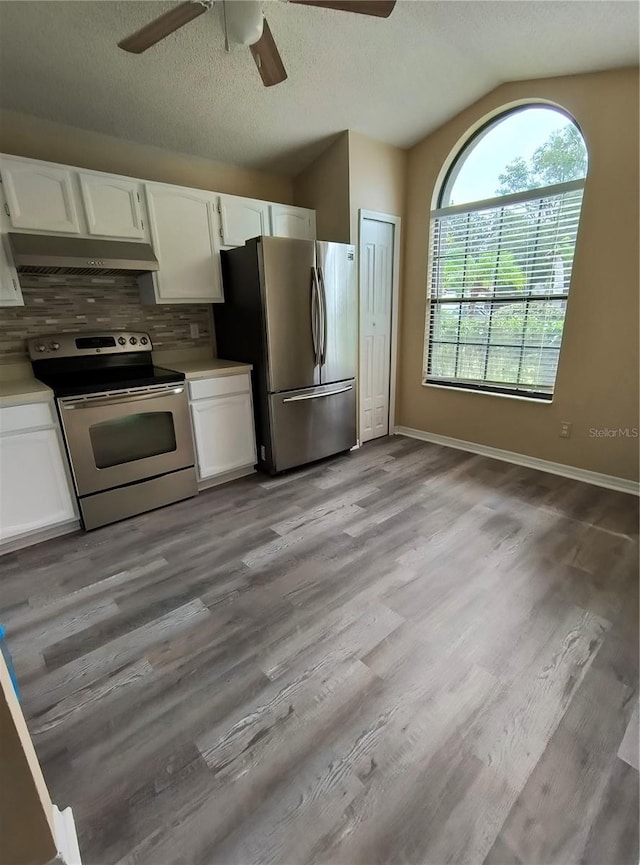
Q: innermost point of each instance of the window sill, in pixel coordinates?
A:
(534, 399)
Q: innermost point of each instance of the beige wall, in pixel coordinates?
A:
(597, 383)
(354, 172)
(377, 174)
(24, 135)
(324, 186)
(26, 813)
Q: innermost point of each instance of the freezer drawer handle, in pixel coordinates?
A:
(317, 395)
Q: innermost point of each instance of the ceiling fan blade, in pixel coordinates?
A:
(265, 53)
(379, 8)
(162, 26)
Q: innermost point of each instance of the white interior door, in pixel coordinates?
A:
(376, 294)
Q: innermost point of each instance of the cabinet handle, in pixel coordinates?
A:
(6, 209)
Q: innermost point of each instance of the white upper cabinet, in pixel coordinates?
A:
(298, 222)
(185, 240)
(242, 219)
(113, 206)
(39, 196)
(10, 294)
(187, 227)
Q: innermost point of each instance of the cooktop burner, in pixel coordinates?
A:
(75, 364)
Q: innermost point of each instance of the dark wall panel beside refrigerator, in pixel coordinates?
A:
(291, 310)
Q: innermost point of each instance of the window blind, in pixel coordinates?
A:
(499, 279)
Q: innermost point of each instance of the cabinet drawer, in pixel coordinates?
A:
(203, 388)
(22, 417)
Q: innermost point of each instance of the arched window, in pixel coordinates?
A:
(502, 242)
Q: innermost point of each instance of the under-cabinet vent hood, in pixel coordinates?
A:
(46, 254)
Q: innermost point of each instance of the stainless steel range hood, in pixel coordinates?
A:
(48, 254)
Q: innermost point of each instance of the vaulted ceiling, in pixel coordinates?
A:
(394, 80)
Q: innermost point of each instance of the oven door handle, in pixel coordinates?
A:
(119, 400)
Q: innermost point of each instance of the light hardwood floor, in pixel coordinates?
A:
(405, 655)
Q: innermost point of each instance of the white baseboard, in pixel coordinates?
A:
(610, 482)
(225, 477)
(65, 837)
(30, 538)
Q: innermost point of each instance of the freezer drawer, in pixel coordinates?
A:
(309, 424)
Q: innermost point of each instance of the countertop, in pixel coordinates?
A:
(19, 391)
(211, 368)
(24, 388)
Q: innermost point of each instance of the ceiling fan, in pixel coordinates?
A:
(246, 24)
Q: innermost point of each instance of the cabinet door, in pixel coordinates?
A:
(295, 222)
(35, 491)
(223, 428)
(182, 223)
(112, 206)
(242, 219)
(10, 294)
(40, 196)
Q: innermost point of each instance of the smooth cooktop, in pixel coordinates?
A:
(76, 382)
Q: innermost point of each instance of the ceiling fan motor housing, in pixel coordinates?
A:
(245, 21)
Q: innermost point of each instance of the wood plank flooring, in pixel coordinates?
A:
(405, 655)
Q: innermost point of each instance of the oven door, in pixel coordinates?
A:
(115, 439)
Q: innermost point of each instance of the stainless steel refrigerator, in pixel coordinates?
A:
(291, 310)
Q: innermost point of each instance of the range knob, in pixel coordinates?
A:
(133, 340)
(54, 346)
(122, 340)
(144, 340)
(41, 347)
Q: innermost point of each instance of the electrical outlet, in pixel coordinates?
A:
(565, 429)
(194, 330)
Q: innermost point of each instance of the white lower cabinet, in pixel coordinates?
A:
(35, 490)
(223, 427)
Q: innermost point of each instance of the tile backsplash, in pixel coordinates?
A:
(59, 304)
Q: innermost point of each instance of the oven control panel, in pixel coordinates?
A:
(87, 344)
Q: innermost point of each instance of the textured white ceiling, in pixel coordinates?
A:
(394, 79)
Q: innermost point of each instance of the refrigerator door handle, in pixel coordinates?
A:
(315, 300)
(304, 396)
(323, 320)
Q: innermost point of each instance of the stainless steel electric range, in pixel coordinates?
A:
(125, 422)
